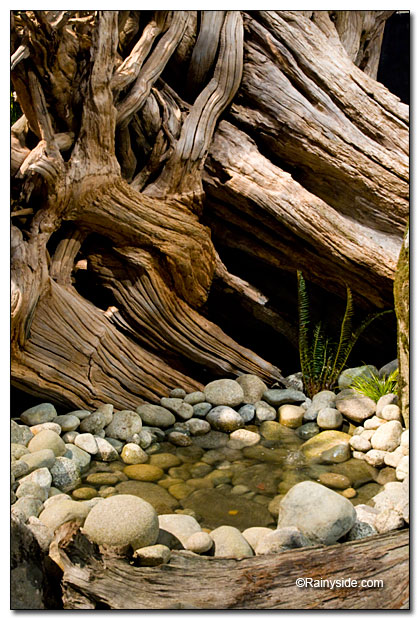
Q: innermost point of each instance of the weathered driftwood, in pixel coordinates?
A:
(92, 579)
(308, 170)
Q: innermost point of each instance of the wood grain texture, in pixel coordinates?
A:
(92, 579)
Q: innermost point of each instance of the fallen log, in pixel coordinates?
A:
(96, 579)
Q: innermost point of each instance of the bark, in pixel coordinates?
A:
(152, 141)
(94, 578)
(402, 310)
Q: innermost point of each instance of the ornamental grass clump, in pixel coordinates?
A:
(322, 359)
(374, 387)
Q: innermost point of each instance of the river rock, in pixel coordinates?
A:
(316, 446)
(334, 481)
(37, 460)
(67, 422)
(86, 442)
(388, 520)
(124, 425)
(247, 413)
(229, 543)
(197, 426)
(241, 438)
(322, 515)
(194, 398)
(122, 520)
(26, 507)
(359, 443)
(387, 436)
(393, 458)
(31, 489)
(80, 457)
(366, 514)
(47, 440)
(402, 469)
(178, 406)
(45, 412)
(277, 397)
(17, 450)
(386, 399)
(308, 430)
(59, 512)
(337, 454)
(347, 377)
(107, 411)
(155, 415)
(375, 457)
(202, 409)
(291, 415)
(280, 540)
(132, 454)
(329, 419)
(94, 423)
(164, 460)
(178, 438)
(253, 388)
(361, 530)
(81, 413)
(152, 493)
(321, 400)
(20, 433)
(224, 392)
(389, 368)
(390, 412)
(106, 451)
(199, 542)
(355, 406)
(358, 472)
(46, 426)
(253, 535)
(145, 473)
(42, 477)
(153, 555)
(264, 412)
(223, 418)
(179, 525)
(65, 474)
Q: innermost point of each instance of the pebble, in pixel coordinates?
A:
(277, 397)
(67, 422)
(86, 442)
(37, 460)
(393, 458)
(45, 412)
(335, 481)
(366, 514)
(195, 398)
(107, 411)
(199, 542)
(47, 440)
(388, 520)
(80, 457)
(387, 436)
(65, 474)
(20, 433)
(264, 412)
(280, 540)
(226, 392)
(241, 438)
(253, 535)
(80, 413)
(337, 454)
(179, 525)
(106, 478)
(247, 413)
(300, 508)
(165, 460)
(375, 457)
(402, 469)
(106, 451)
(308, 430)
(94, 423)
(153, 555)
(178, 406)
(155, 415)
(145, 473)
(197, 426)
(122, 520)
(253, 388)
(69, 436)
(349, 493)
(32, 489)
(46, 426)
(41, 477)
(359, 443)
(224, 418)
(354, 406)
(329, 419)
(229, 543)
(132, 454)
(373, 423)
(179, 439)
(291, 415)
(386, 399)
(321, 400)
(390, 412)
(124, 425)
(202, 409)
(26, 507)
(17, 450)
(361, 530)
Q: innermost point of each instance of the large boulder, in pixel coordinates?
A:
(122, 520)
(320, 514)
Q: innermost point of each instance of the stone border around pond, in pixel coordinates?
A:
(51, 452)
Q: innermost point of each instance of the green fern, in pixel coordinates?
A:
(374, 387)
(321, 359)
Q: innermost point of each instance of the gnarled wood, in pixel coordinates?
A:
(92, 580)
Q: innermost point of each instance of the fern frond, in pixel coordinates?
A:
(304, 328)
(345, 336)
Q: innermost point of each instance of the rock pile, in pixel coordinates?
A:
(145, 478)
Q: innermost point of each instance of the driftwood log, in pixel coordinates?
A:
(131, 191)
(99, 580)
